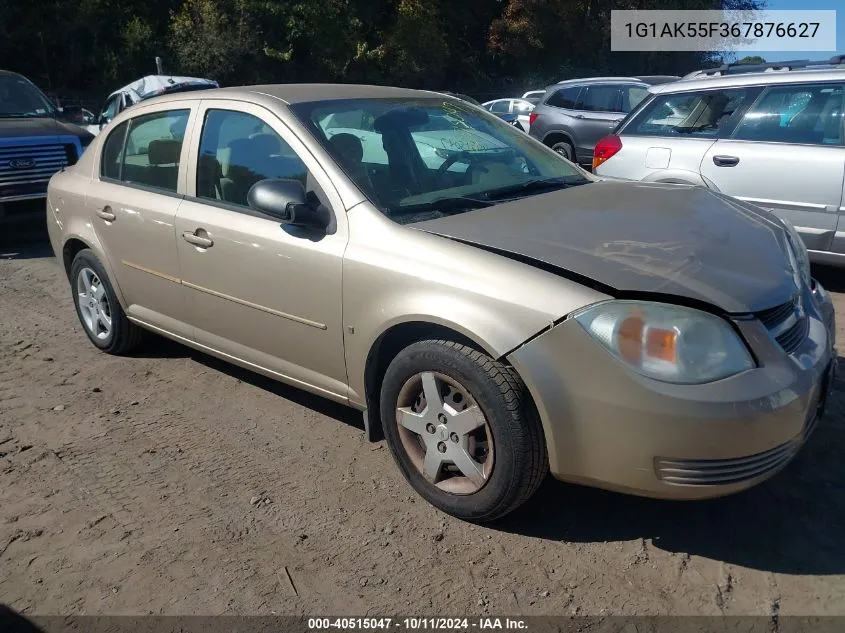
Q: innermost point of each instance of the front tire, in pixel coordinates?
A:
(462, 429)
(97, 307)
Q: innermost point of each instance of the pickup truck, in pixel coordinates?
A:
(35, 142)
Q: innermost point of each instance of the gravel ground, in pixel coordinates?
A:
(172, 483)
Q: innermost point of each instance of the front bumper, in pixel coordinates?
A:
(609, 427)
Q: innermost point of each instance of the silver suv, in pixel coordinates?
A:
(574, 114)
(771, 134)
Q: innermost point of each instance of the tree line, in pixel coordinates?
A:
(87, 48)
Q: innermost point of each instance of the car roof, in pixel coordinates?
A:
(12, 73)
(587, 80)
(702, 82)
(302, 93)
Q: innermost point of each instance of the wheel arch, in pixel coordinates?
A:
(676, 176)
(392, 340)
(73, 244)
(555, 136)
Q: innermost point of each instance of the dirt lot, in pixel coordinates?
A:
(138, 485)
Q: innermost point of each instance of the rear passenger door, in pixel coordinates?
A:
(787, 155)
(132, 205)
(266, 295)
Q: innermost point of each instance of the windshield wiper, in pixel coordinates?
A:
(21, 115)
(456, 204)
(529, 186)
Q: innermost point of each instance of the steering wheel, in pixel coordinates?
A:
(451, 160)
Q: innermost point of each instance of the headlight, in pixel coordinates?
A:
(799, 259)
(667, 342)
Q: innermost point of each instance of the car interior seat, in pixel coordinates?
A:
(163, 165)
(350, 153)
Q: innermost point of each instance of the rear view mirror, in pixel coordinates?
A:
(285, 199)
(400, 118)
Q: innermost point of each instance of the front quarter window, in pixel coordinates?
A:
(432, 155)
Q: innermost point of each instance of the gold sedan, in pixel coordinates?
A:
(495, 311)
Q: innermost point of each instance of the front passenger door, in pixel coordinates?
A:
(266, 295)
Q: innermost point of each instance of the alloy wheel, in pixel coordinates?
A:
(445, 433)
(93, 304)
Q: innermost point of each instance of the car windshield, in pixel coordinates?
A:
(433, 156)
(19, 98)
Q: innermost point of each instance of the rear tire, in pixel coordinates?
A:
(97, 307)
(506, 442)
(565, 149)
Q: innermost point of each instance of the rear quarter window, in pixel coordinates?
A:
(700, 114)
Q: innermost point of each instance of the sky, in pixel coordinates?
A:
(838, 5)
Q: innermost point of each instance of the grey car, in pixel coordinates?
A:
(575, 114)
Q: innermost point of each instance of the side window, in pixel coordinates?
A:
(691, 114)
(112, 156)
(796, 114)
(236, 151)
(154, 148)
(500, 107)
(602, 98)
(564, 98)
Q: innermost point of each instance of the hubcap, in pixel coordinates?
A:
(93, 304)
(445, 433)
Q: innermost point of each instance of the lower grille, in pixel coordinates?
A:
(791, 339)
(24, 190)
(788, 323)
(709, 472)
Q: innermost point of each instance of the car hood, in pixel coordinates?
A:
(38, 127)
(660, 239)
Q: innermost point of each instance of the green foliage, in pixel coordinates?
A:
(483, 47)
(752, 59)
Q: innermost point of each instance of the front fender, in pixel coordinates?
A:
(395, 274)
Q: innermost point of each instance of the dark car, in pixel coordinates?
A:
(35, 141)
(573, 115)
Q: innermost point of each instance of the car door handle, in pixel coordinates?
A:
(198, 240)
(578, 116)
(106, 214)
(725, 161)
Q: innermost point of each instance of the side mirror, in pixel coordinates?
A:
(285, 199)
